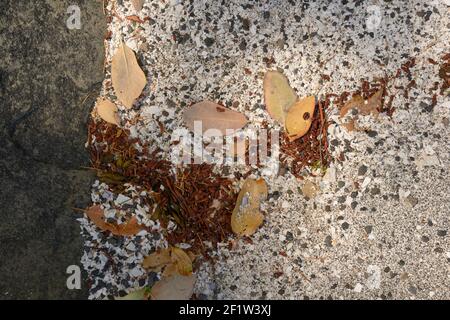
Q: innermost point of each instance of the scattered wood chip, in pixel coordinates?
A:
(128, 79)
(108, 111)
(246, 217)
(278, 95)
(135, 19)
(299, 118)
(97, 216)
(213, 116)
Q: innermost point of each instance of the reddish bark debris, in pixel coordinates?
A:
(310, 149)
(186, 197)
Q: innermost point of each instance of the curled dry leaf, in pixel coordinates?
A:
(362, 107)
(97, 216)
(278, 95)
(128, 79)
(175, 260)
(108, 111)
(299, 118)
(213, 116)
(140, 294)
(246, 217)
(182, 261)
(174, 287)
(138, 4)
(157, 260)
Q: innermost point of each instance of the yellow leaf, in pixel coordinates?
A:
(174, 287)
(157, 260)
(135, 295)
(246, 217)
(299, 118)
(278, 95)
(182, 261)
(108, 111)
(128, 79)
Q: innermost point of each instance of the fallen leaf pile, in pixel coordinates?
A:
(283, 105)
(177, 281)
(128, 79)
(247, 217)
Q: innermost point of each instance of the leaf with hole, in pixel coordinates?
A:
(299, 118)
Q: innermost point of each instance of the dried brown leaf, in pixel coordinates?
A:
(108, 111)
(128, 79)
(299, 118)
(213, 116)
(182, 261)
(138, 4)
(174, 287)
(130, 228)
(157, 260)
(246, 217)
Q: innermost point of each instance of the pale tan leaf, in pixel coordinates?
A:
(182, 261)
(97, 216)
(310, 189)
(135, 295)
(278, 95)
(157, 260)
(213, 116)
(174, 287)
(138, 4)
(108, 111)
(128, 79)
(299, 118)
(246, 217)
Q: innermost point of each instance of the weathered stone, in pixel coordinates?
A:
(46, 72)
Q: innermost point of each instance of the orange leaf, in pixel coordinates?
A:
(97, 216)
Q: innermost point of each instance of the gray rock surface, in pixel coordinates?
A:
(49, 79)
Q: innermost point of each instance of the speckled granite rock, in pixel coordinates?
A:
(46, 71)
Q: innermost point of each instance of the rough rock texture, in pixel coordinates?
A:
(46, 73)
